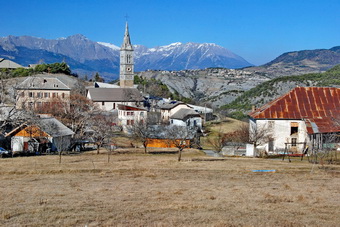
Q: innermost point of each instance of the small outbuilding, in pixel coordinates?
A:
(42, 135)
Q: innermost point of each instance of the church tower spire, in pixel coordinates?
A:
(126, 61)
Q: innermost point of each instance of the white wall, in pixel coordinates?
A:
(281, 132)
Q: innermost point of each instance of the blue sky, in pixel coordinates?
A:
(257, 30)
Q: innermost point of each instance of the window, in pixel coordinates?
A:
(294, 140)
(114, 105)
(271, 125)
(63, 95)
(142, 114)
(46, 95)
(103, 103)
(294, 128)
(271, 144)
(22, 94)
(30, 94)
(38, 94)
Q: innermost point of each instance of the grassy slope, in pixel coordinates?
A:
(268, 91)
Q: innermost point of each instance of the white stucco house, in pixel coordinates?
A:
(300, 118)
(186, 117)
(168, 109)
(130, 115)
(108, 99)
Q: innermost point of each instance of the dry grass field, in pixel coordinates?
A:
(136, 189)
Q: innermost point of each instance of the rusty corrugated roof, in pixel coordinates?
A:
(319, 106)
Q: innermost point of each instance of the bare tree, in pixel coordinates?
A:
(253, 134)
(142, 131)
(217, 142)
(76, 114)
(104, 128)
(180, 137)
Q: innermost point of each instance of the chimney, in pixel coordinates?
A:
(253, 108)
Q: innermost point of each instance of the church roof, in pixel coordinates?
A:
(115, 95)
(127, 42)
(318, 106)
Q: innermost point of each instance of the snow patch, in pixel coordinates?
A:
(110, 45)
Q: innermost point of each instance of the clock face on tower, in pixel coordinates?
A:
(128, 69)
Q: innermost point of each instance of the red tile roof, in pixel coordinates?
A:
(318, 106)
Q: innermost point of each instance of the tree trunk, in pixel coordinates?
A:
(179, 154)
(98, 148)
(59, 157)
(145, 148)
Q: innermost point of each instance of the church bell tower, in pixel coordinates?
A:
(126, 75)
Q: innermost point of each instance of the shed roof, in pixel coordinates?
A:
(115, 95)
(173, 104)
(49, 125)
(130, 108)
(183, 114)
(43, 83)
(318, 106)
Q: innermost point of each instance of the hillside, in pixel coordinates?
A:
(274, 88)
(215, 86)
(300, 62)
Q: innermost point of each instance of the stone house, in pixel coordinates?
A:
(40, 92)
(303, 116)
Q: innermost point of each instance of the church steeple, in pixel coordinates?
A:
(126, 42)
(126, 61)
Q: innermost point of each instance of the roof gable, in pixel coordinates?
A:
(183, 114)
(42, 127)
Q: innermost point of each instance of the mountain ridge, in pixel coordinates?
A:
(104, 57)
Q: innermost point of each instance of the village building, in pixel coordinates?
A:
(168, 109)
(108, 99)
(39, 92)
(130, 115)
(180, 114)
(186, 117)
(161, 137)
(303, 117)
(45, 134)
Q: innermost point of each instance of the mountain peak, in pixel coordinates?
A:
(77, 37)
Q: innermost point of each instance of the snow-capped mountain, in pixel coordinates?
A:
(87, 57)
